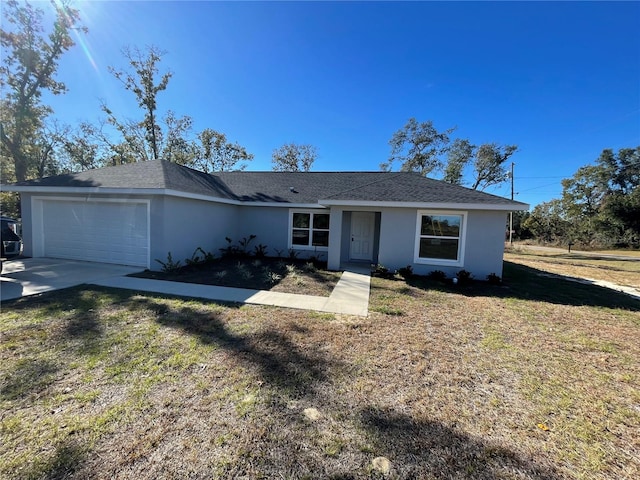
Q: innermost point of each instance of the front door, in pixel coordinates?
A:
(362, 227)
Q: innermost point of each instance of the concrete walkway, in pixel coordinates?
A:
(350, 296)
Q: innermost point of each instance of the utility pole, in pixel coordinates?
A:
(511, 212)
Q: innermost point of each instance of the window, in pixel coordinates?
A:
(440, 238)
(309, 230)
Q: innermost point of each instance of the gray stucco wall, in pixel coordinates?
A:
(181, 225)
(270, 225)
(484, 242)
(27, 230)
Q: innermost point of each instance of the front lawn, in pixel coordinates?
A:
(535, 379)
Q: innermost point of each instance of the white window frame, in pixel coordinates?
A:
(311, 229)
(459, 262)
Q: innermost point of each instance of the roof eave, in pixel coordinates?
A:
(507, 207)
(149, 192)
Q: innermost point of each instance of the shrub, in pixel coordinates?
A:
(169, 265)
(244, 245)
(260, 251)
(195, 259)
(380, 270)
(271, 277)
(406, 272)
(463, 276)
(230, 251)
(494, 279)
(437, 275)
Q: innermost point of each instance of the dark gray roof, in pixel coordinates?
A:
(280, 187)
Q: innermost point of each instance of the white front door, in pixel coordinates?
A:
(362, 226)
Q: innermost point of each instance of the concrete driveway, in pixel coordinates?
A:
(30, 276)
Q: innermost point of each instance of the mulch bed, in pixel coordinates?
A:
(275, 274)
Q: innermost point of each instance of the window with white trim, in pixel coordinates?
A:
(309, 230)
(440, 237)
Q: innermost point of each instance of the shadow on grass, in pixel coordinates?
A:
(580, 256)
(528, 283)
(280, 362)
(424, 449)
(30, 376)
(66, 459)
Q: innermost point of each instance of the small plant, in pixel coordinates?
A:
(243, 248)
(256, 263)
(195, 259)
(169, 265)
(271, 277)
(221, 274)
(494, 279)
(437, 275)
(406, 272)
(291, 269)
(380, 270)
(230, 251)
(463, 276)
(309, 267)
(293, 254)
(279, 253)
(260, 251)
(246, 274)
(316, 259)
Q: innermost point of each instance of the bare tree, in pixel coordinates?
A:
(142, 80)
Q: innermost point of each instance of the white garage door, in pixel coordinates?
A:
(107, 232)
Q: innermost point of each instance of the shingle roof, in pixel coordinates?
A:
(279, 187)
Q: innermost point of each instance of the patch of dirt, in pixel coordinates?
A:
(275, 274)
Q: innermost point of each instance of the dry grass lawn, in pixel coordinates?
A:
(537, 379)
(618, 271)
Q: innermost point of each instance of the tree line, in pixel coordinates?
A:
(34, 144)
(599, 205)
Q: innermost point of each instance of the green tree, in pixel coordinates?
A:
(547, 222)
(176, 145)
(293, 157)
(216, 154)
(458, 156)
(29, 65)
(418, 147)
(489, 165)
(79, 150)
(620, 206)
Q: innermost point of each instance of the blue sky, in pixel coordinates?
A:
(560, 80)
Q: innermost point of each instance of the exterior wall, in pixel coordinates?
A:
(27, 225)
(180, 225)
(270, 225)
(484, 242)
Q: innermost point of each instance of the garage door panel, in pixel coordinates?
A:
(110, 232)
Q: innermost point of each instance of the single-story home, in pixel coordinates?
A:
(136, 213)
